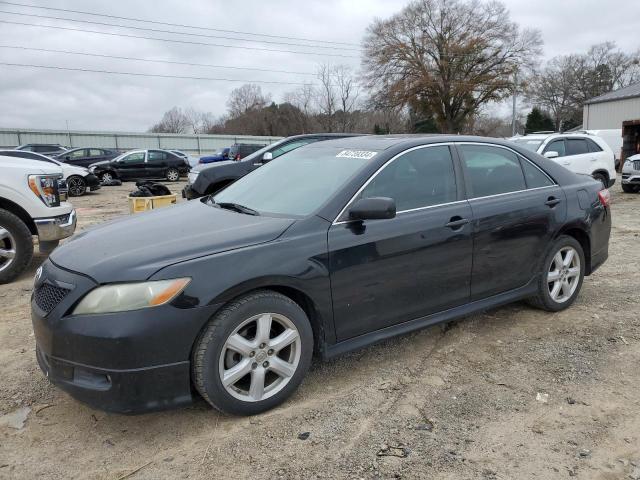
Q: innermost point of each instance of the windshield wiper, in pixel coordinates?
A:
(237, 207)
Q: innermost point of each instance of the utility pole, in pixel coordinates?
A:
(513, 111)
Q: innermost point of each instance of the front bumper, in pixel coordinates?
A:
(127, 362)
(93, 182)
(631, 178)
(56, 228)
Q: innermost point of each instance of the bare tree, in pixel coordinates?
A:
(173, 121)
(447, 57)
(347, 93)
(326, 99)
(246, 98)
(302, 98)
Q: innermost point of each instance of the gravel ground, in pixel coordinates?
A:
(512, 393)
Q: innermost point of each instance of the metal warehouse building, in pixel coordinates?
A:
(612, 109)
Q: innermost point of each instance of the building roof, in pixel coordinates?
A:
(631, 91)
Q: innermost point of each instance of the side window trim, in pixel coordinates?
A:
(520, 158)
(454, 160)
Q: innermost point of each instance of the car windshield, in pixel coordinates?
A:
(528, 143)
(259, 153)
(295, 184)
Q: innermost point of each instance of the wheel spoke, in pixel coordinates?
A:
(281, 367)
(558, 260)
(240, 344)
(555, 290)
(569, 257)
(263, 331)
(9, 254)
(256, 391)
(573, 272)
(566, 288)
(236, 372)
(4, 233)
(553, 276)
(284, 339)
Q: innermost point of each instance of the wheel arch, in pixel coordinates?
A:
(579, 232)
(601, 171)
(19, 212)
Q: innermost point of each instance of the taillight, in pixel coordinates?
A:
(605, 197)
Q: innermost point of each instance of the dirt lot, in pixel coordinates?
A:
(450, 403)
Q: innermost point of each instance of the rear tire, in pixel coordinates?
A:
(253, 354)
(172, 175)
(77, 186)
(560, 276)
(16, 246)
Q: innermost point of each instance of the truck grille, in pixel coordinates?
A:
(48, 296)
(636, 164)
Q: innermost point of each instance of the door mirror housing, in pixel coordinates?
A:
(267, 157)
(374, 208)
(67, 158)
(551, 154)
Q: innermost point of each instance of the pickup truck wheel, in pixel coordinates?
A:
(77, 186)
(16, 246)
(561, 275)
(172, 175)
(253, 353)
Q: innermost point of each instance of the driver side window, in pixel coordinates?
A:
(134, 158)
(556, 146)
(289, 146)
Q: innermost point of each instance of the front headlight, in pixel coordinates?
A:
(45, 187)
(121, 297)
(193, 176)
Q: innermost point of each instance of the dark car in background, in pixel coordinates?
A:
(237, 151)
(83, 157)
(204, 180)
(327, 249)
(48, 149)
(220, 156)
(139, 164)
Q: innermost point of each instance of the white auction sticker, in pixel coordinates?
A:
(365, 154)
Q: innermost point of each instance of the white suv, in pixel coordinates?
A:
(578, 152)
(30, 204)
(631, 174)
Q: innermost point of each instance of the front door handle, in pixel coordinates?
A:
(456, 223)
(552, 202)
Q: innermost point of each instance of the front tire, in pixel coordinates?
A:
(561, 275)
(77, 186)
(628, 188)
(106, 177)
(16, 246)
(172, 175)
(253, 354)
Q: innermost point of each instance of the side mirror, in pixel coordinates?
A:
(551, 154)
(68, 157)
(374, 208)
(267, 157)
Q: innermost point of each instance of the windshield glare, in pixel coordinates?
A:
(528, 143)
(295, 184)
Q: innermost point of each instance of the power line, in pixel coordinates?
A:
(52, 67)
(176, 24)
(188, 42)
(173, 32)
(151, 60)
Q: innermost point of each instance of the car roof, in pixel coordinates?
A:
(384, 142)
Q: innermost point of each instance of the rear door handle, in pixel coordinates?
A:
(552, 202)
(456, 223)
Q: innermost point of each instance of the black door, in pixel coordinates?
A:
(516, 209)
(76, 157)
(385, 272)
(156, 164)
(131, 166)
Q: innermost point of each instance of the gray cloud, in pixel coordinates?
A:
(33, 98)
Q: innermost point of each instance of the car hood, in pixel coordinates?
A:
(206, 166)
(134, 248)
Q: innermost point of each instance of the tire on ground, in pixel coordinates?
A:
(23, 246)
(172, 175)
(210, 343)
(77, 183)
(543, 299)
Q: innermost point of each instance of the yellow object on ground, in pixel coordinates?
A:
(142, 204)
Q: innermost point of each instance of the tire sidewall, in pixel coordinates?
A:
(23, 247)
(562, 242)
(225, 325)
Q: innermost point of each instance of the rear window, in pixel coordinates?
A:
(593, 146)
(492, 170)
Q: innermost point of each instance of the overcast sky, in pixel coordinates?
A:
(40, 98)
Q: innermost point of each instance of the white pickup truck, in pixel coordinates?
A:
(31, 203)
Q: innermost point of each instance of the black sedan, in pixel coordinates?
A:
(142, 164)
(332, 247)
(83, 157)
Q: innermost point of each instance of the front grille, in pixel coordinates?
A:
(636, 164)
(48, 296)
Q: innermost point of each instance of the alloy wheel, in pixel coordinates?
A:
(77, 186)
(106, 177)
(563, 276)
(7, 248)
(173, 175)
(260, 357)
